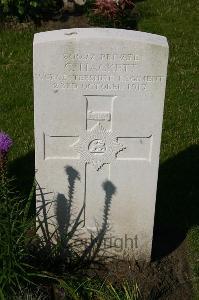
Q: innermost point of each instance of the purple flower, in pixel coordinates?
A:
(5, 142)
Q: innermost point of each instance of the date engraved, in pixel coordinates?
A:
(101, 82)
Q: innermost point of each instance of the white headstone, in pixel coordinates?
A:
(99, 97)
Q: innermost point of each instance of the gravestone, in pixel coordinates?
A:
(99, 98)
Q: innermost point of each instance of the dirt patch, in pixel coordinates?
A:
(72, 21)
(165, 279)
(69, 21)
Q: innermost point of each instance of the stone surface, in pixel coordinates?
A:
(99, 98)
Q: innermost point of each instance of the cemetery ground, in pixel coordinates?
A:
(174, 272)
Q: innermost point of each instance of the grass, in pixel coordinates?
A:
(175, 19)
(16, 95)
(16, 99)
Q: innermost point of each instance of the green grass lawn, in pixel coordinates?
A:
(16, 89)
(175, 19)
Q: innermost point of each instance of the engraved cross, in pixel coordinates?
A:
(97, 144)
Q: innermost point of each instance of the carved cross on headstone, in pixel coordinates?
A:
(98, 144)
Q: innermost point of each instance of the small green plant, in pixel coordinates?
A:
(99, 289)
(127, 291)
(30, 293)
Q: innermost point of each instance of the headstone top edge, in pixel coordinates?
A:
(83, 33)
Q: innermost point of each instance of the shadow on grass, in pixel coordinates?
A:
(23, 170)
(177, 205)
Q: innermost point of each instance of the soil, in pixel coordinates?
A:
(78, 21)
(71, 21)
(165, 279)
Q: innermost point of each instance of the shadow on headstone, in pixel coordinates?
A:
(74, 250)
(64, 205)
(96, 244)
(177, 205)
